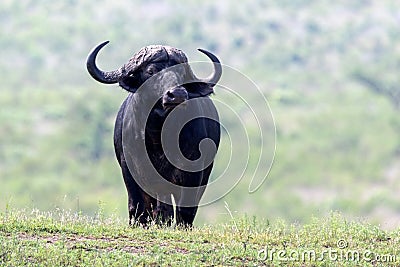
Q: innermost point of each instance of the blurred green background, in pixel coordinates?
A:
(329, 69)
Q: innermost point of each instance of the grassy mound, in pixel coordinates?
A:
(62, 238)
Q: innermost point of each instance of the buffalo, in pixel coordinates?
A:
(166, 133)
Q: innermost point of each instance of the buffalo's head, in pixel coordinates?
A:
(172, 86)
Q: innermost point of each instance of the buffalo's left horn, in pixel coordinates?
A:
(216, 75)
(107, 77)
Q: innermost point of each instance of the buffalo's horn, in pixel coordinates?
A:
(107, 77)
(216, 75)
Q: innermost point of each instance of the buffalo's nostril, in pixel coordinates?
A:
(170, 95)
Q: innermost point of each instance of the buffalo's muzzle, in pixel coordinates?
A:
(174, 97)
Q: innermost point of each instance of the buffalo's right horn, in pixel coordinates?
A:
(107, 77)
(216, 75)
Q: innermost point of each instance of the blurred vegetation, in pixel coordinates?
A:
(330, 71)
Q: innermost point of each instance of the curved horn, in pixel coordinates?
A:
(107, 77)
(216, 75)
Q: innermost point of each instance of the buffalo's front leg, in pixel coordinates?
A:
(136, 205)
(185, 214)
(163, 212)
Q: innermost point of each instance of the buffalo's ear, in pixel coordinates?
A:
(129, 84)
(206, 89)
(199, 89)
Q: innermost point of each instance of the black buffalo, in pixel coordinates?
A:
(160, 83)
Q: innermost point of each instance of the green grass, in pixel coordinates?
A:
(62, 238)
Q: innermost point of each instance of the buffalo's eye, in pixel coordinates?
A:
(151, 70)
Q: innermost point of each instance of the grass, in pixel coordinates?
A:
(62, 238)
